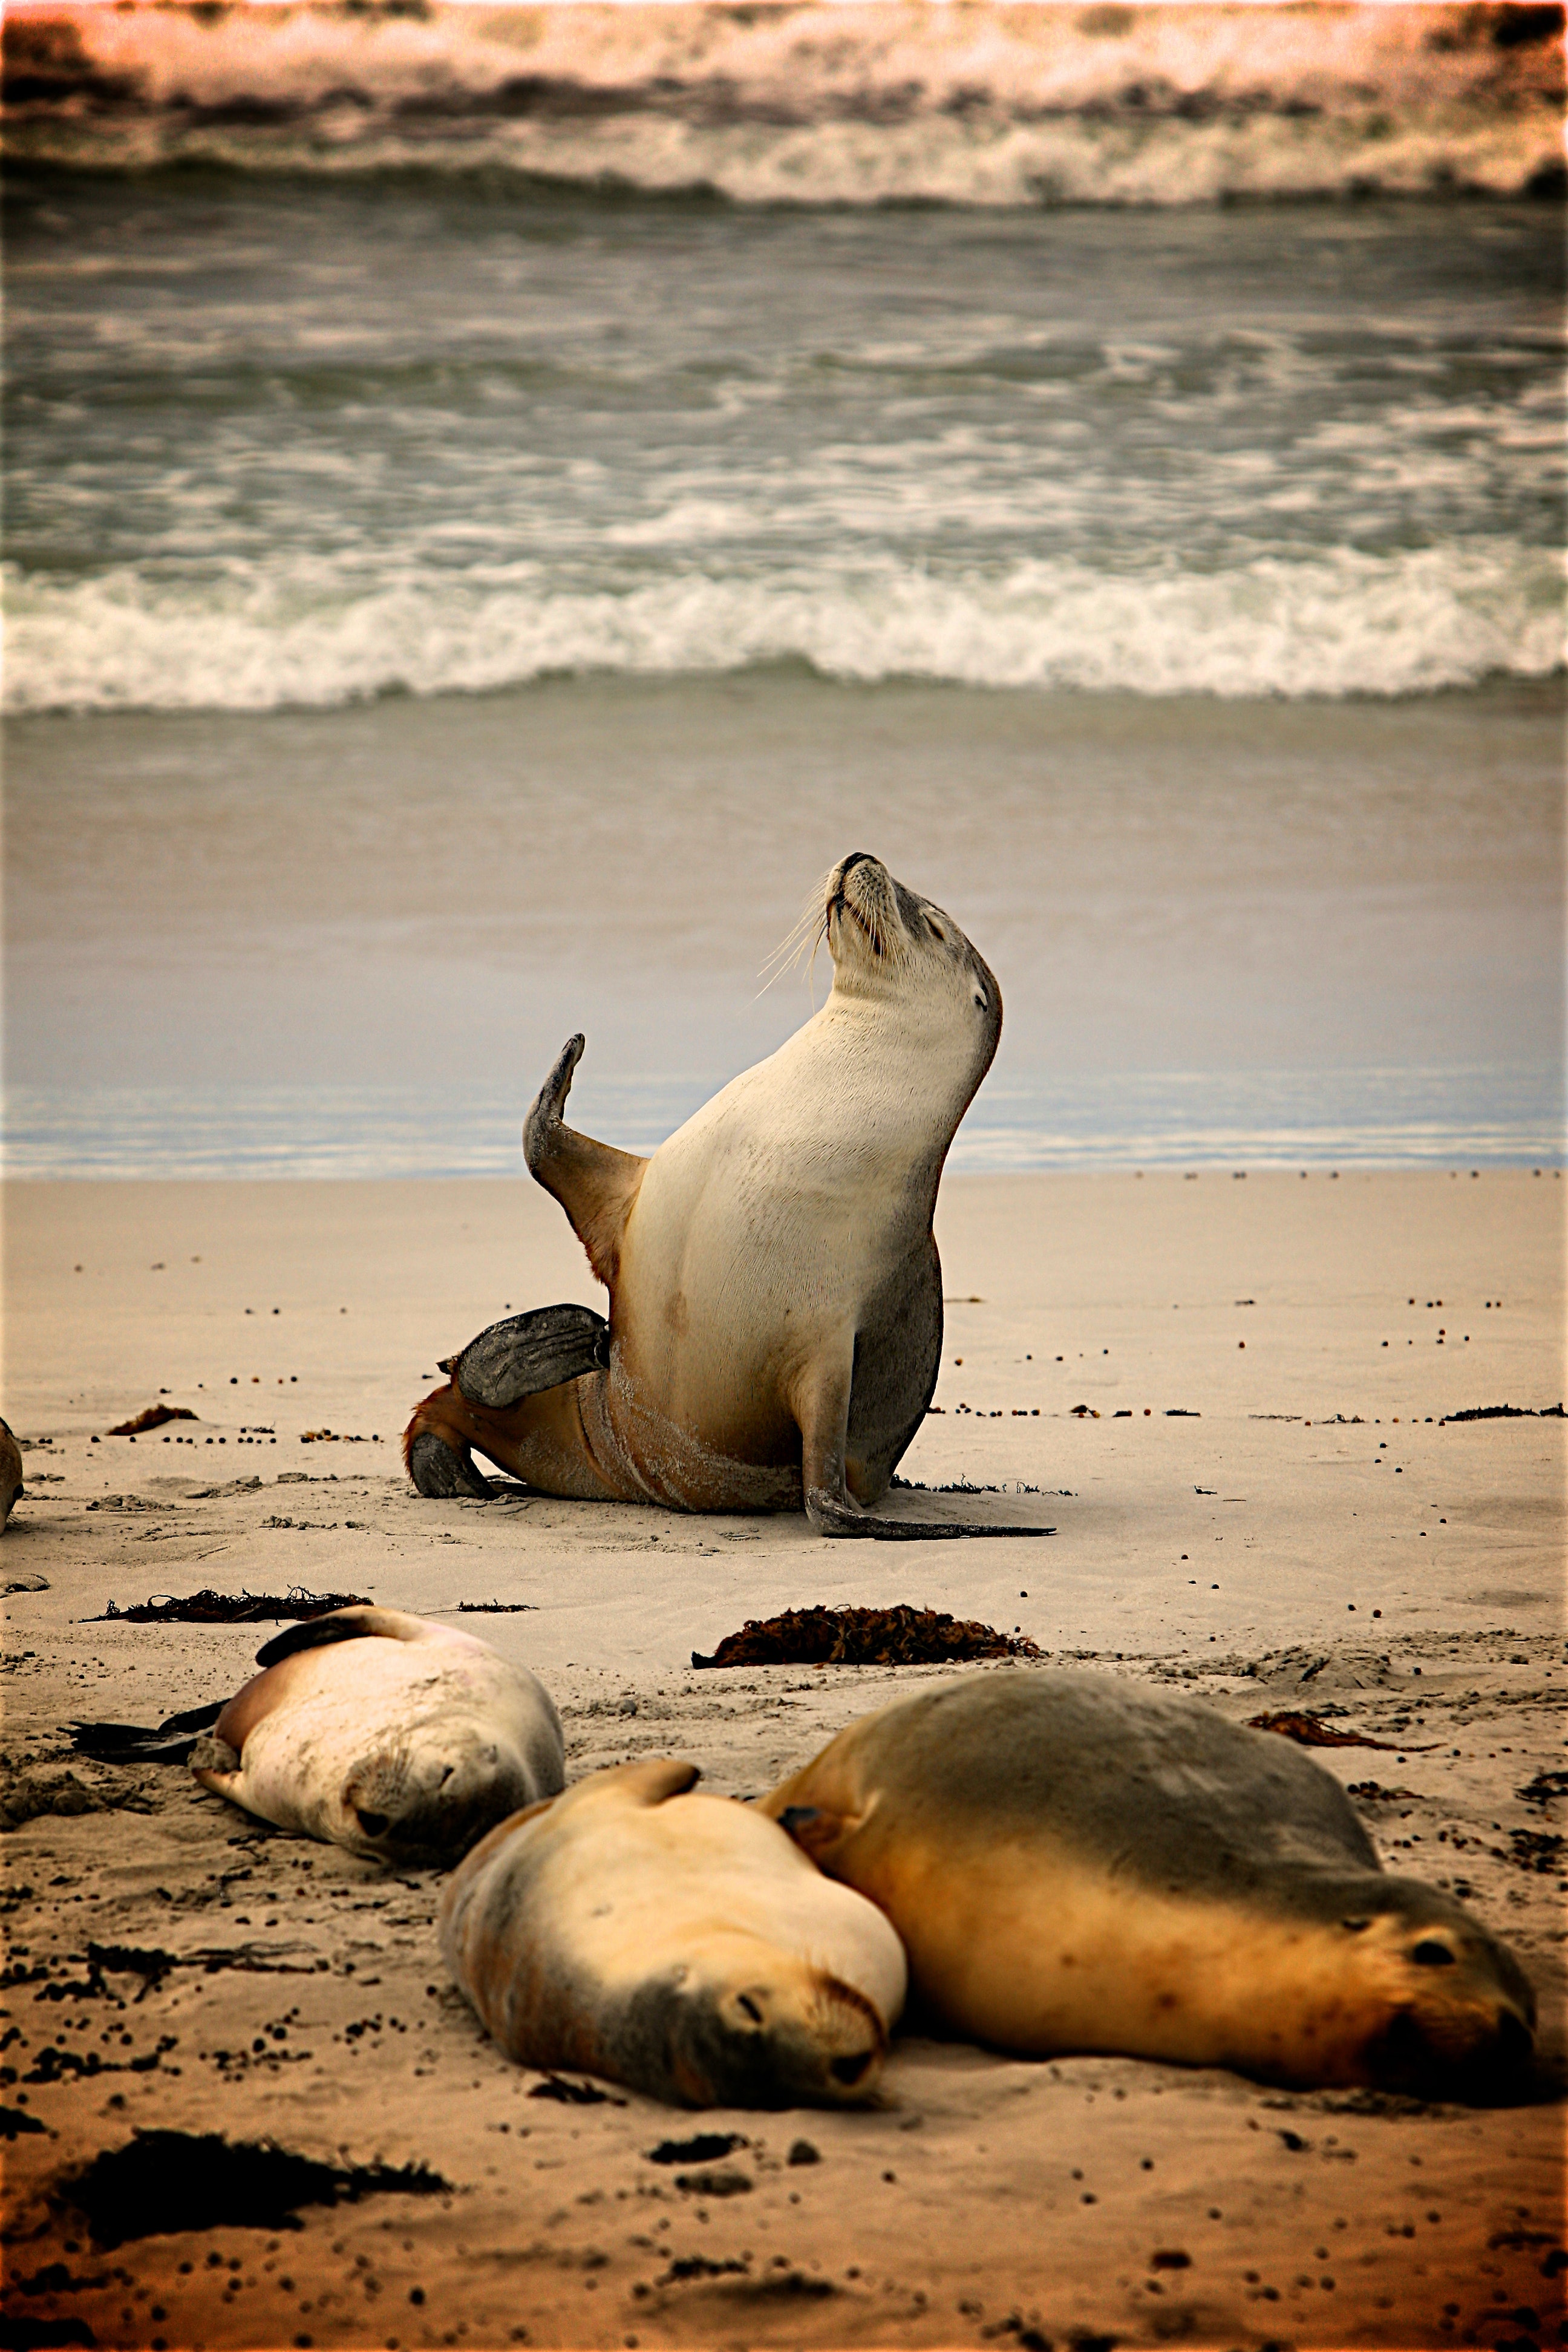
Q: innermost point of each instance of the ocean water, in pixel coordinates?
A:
(295, 442)
(447, 607)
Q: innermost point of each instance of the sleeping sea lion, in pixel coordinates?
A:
(678, 1944)
(10, 1473)
(401, 1741)
(1074, 1863)
(775, 1294)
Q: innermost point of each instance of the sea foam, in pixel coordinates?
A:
(286, 633)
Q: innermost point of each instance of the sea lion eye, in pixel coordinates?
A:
(1433, 1955)
(1356, 1927)
(980, 998)
(373, 1825)
(749, 2006)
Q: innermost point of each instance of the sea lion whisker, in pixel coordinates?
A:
(803, 939)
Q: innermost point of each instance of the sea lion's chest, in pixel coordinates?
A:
(764, 1221)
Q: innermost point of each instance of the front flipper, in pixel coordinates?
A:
(526, 1353)
(362, 1624)
(822, 1409)
(594, 1183)
(844, 1519)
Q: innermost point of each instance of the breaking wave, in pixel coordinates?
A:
(291, 632)
(993, 104)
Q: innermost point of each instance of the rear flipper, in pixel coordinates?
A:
(830, 1519)
(444, 1471)
(516, 1358)
(133, 1743)
(523, 1356)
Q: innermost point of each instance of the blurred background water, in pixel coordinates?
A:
(445, 611)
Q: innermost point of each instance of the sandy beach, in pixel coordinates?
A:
(1267, 1500)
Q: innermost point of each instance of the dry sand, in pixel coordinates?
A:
(1285, 1520)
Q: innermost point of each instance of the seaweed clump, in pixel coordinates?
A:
(900, 1636)
(210, 1608)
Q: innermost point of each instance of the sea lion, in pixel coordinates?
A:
(10, 1473)
(775, 1293)
(678, 1944)
(1075, 1863)
(403, 1740)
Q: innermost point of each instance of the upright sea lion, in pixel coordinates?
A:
(1077, 1864)
(400, 1740)
(10, 1473)
(775, 1293)
(678, 1944)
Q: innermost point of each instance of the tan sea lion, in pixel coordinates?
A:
(1075, 1863)
(10, 1473)
(678, 1944)
(400, 1740)
(775, 1294)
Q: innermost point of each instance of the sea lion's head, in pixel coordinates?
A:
(426, 1800)
(747, 2024)
(886, 940)
(1440, 2005)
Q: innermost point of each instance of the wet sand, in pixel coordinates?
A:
(1283, 1517)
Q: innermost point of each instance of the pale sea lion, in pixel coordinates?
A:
(775, 1293)
(1074, 1863)
(10, 1473)
(400, 1740)
(678, 1944)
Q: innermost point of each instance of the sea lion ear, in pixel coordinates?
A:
(342, 1625)
(814, 1829)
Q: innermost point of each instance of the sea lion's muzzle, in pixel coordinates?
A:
(1478, 2052)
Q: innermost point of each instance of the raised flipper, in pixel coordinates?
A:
(363, 1623)
(133, 1743)
(443, 1472)
(594, 1183)
(526, 1353)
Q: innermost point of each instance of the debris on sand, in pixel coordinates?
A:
(210, 1608)
(1506, 1412)
(155, 1417)
(496, 1608)
(24, 1796)
(1311, 1731)
(900, 1636)
(1540, 1850)
(161, 2182)
(705, 2149)
(573, 2095)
